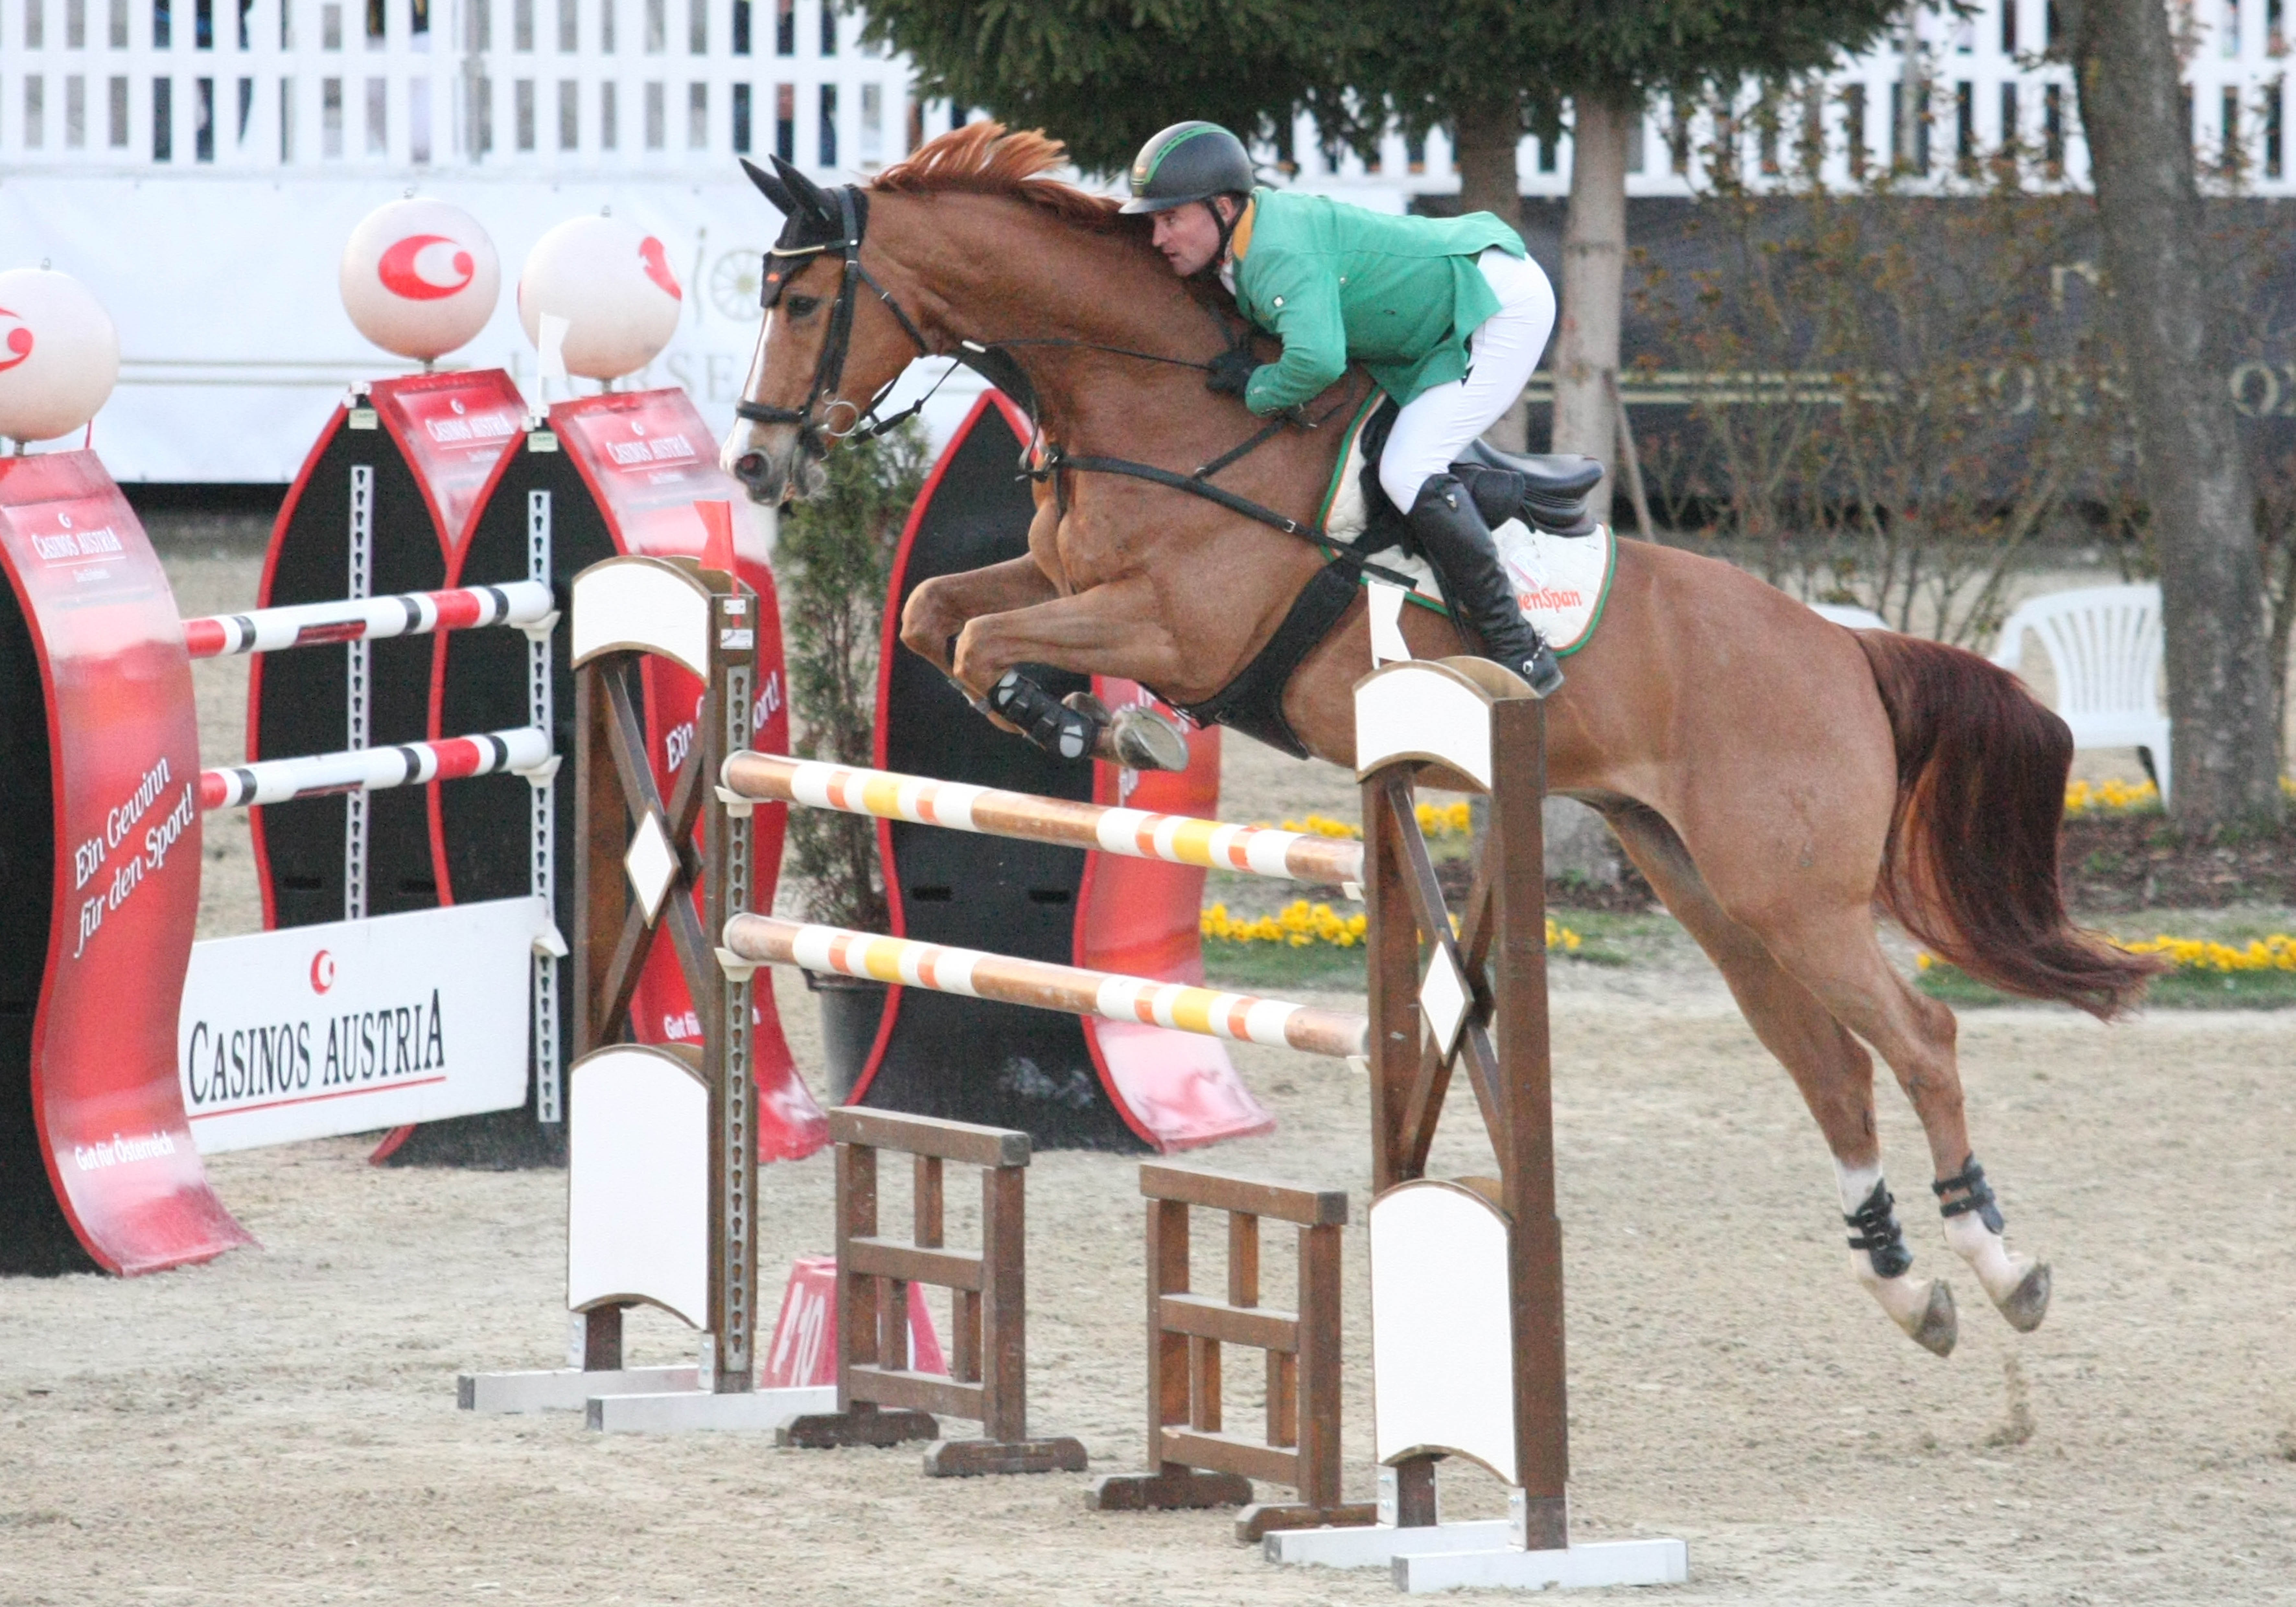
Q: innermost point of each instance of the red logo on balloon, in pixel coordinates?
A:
(323, 971)
(19, 343)
(656, 267)
(425, 268)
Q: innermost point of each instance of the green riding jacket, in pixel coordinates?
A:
(1335, 282)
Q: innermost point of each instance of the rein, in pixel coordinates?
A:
(813, 435)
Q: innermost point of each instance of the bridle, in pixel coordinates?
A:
(814, 434)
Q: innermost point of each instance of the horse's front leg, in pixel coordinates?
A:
(941, 607)
(1115, 629)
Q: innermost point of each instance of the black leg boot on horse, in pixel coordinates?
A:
(1450, 530)
(1080, 727)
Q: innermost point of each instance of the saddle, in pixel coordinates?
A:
(1547, 491)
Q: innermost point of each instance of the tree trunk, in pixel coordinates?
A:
(2193, 476)
(1487, 137)
(1594, 286)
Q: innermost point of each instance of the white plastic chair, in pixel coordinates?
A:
(2105, 643)
(1851, 615)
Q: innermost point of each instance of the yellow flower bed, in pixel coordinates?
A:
(2118, 797)
(2274, 953)
(2277, 952)
(1435, 820)
(1301, 924)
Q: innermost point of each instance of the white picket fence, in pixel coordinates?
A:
(524, 87)
(596, 87)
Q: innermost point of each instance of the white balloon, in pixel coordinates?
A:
(611, 282)
(59, 354)
(419, 278)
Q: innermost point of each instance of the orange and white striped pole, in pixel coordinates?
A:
(769, 940)
(1174, 839)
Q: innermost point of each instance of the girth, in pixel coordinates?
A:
(1253, 703)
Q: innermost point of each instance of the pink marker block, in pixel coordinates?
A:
(803, 1352)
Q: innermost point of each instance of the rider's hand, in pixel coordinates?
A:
(1232, 370)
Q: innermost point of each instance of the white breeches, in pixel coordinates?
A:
(1435, 427)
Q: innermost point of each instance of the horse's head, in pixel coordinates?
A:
(826, 352)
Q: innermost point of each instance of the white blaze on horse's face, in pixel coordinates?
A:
(765, 457)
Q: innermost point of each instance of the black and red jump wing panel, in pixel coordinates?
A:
(100, 867)
(1069, 1083)
(429, 443)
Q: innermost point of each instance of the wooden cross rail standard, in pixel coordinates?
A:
(636, 874)
(1466, 1275)
(881, 1401)
(1197, 1462)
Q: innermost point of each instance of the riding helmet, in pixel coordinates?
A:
(1189, 162)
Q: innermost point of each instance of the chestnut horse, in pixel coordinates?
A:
(1773, 775)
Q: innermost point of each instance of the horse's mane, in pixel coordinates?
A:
(987, 159)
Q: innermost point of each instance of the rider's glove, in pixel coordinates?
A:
(1232, 370)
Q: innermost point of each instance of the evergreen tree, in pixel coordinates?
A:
(1105, 77)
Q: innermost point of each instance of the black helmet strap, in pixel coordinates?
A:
(1225, 225)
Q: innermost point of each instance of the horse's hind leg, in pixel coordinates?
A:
(1833, 1070)
(1838, 955)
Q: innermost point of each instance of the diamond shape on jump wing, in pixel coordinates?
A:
(1444, 997)
(652, 865)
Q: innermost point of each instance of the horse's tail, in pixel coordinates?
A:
(1970, 868)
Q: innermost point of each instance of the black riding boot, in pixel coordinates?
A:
(1451, 532)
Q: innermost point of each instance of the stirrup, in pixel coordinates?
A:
(1975, 1194)
(1544, 671)
(1879, 1235)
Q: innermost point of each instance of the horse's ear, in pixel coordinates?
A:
(770, 187)
(808, 195)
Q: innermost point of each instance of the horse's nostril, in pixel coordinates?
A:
(750, 465)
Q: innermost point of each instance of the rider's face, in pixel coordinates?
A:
(1188, 237)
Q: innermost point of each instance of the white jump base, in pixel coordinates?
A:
(686, 1411)
(565, 1388)
(1448, 1556)
(639, 1400)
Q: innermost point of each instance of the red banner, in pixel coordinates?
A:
(124, 764)
(454, 428)
(1141, 917)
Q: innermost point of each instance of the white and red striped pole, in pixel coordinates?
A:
(367, 618)
(372, 769)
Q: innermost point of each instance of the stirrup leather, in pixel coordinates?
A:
(1975, 1194)
(1878, 1234)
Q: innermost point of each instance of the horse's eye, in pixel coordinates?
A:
(804, 307)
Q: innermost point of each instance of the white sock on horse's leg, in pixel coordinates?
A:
(1989, 1256)
(2016, 1284)
(1922, 1306)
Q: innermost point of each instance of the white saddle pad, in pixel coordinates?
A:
(1559, 582)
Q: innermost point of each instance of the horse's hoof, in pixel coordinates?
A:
(1140, 739)
(1937, 1326)
(2027, 1304)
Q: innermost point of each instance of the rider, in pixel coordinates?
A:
(1449, 315)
